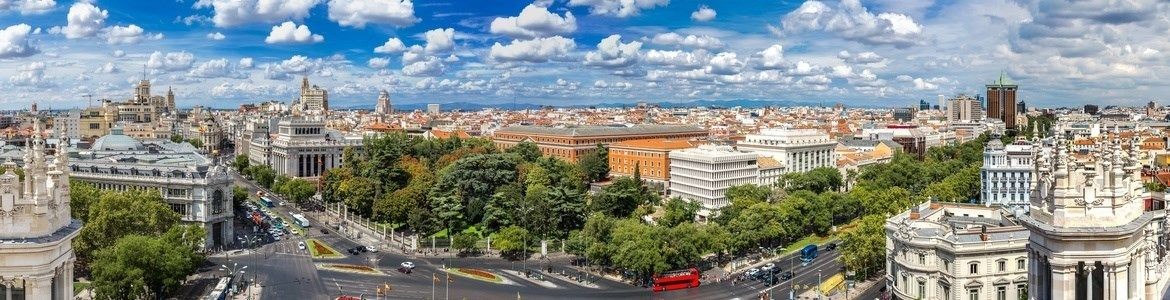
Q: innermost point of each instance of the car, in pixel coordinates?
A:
(404, 270)
(371, 249)
(282, 203)
(301, 245)
(361, 249)
(353, 251)
(831, 247)
(786, 275)
(408, 265)
(276, 237)
(323, 231)
(752, 272)
(768, 267)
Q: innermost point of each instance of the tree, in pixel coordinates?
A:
(197, 143)
(595, 164)
(298, 190)
(511, 240)
(620, 198)
(473, 181)
(81, 196)
(678, 211)
(865, 246)
(176, 138)
(118, 214)
(135, 261)
(241, 163)
(638, 247)
(816, 180)
(239, 196)
(263, 175)
(465, 242)
(527, 150)
(358, 194)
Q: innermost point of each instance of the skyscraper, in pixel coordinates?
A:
(1001, 100)
(383, 106)
(313, 98)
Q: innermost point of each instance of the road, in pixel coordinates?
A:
(289, 273)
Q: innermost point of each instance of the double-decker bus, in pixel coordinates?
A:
(300, 220)
(675, 280)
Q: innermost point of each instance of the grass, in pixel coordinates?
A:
(476, 274)
(79, 286)
(321, 250)
(350, 269)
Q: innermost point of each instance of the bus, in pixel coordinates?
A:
(300, 220)
(808, 253)
(267, 202)
(676, 280)
(220, 291)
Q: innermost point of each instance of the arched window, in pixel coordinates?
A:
(217, 202)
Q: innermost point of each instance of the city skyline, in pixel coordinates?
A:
(869, 53)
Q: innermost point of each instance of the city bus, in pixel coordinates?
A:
(676, 280)
(808, 253)
(267, 202)
(300, 220)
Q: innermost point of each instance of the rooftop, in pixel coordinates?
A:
(593, 130)
(657, 144)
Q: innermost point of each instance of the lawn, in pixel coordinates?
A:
(320, 250)
(358, 269)
(79, 286)
(476, 274)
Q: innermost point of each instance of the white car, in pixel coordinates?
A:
(768, 267)
(301, 245)
(371, 248)
(753, 272)
(408, 265)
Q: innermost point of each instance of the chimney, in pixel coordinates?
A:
(934, 205)
(914, 214)
(983, 233)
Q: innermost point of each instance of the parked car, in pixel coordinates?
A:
(752, 272)
(323, 231)
(371, 249)
(404, 270)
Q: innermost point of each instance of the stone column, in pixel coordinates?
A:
(39, 287)
(68, 286)
(1064, 280)
(1120, 275)
(7, 288)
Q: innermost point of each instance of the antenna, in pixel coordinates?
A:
(143, 71)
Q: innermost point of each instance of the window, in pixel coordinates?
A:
(973, 294)
(974, 268)
(1020, 265)
(1021, 291)
(921, 290)
(1001, 293)
(95, 125)
(946, 291)
(1002, 265)
(922, 258)
(947, 265)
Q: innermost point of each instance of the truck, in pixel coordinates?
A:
(808, 253)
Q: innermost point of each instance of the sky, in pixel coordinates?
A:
(877, 53)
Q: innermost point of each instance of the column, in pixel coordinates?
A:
(38, 287)
(1063, 282)
(68, 279)
(7, 289)
(1120, 283)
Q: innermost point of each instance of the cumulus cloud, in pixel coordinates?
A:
(358, 13)
(84, 20)
(28, 7)
(534, 21)
(108, 68)
(289, 33)
(618, 8)
(676, 58)
(440, 40)
(118, 53)
(923, 85)
(117, 35)
(393, 45)
(14, 41)
(31, 74)
(867, 57)
(216, 68)
(171, 61)
(725, 63)
(245, 63)
(229, 13)
(690, 41)
(378, 62)
(216, 36)
(852, 21)
(704, 14)
(429, 66)
(536, 50)
(771, 58)
(611, 52)
(296, 65)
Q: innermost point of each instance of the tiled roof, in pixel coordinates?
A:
(601, 130)
(658, 144)
(767, 162)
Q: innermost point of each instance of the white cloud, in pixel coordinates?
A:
(378, 62)
(923, 85)
(867, 57)
(289, 33)
(393, 45)
(229, 13)
(536, 50)
(725, 63)
(428, 67)
(245, 63)
(216, 68)
(440, 40)
(31, 74)
(852, 21)
(618, 8)
(14, 41)
(108, 68)
(358, 13)
(84, 20)
(534, 21)
(298, 65)
(612, 53)
(28, 7)
(117, 35)
(691, 41)
(771, 58)
(676, 58)
(119, 53)
(704, 14)
(216, 36)
(172, 61)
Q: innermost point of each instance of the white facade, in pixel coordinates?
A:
(956, 251)
(68, 124)
(964, 109)
(313, 98)
(1006, 175)
(797, 150)
(383, 107)
(305, 148)
(433, 109)
(705, 173)
(36, 231)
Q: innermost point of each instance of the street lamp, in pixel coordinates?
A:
(232, 271)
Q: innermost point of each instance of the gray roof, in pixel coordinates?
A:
(116, 141)
(601, 130)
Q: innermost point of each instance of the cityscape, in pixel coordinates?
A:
(584, 149)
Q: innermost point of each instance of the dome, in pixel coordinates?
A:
(116, 140)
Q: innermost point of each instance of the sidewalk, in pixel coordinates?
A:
(853, 293)
(253, 292)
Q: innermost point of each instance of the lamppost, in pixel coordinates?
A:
(791, 281)
(232, 271)
(820, 281)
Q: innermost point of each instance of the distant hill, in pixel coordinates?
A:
(467, 106)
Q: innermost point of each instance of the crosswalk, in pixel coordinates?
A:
(288, 247)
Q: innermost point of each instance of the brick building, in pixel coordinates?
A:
(570, 143)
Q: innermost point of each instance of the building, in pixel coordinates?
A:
(195, 187)
(1021, 107)
(305, 148)
(383, 106)
(314, 99)
(36, 230)
(1091, 235)
(923, 105)
(95, 122)
(68, 123)
(797, 150)
(433, 109)
(1091, 109)
(904, 114)
(704, 174)
(650, 156)
(572, 142)
(1006, 175)
(1001, 100)
(956, 251)
(964, 109)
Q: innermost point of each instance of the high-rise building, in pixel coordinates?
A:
(1021, 107)
(1091, 109)
(904, 114)
(433, 108)
(964, 109)
(313, 98)
(36, 230)
(1006, 174)
(383, 106)
(923, 105)
(1001, 100)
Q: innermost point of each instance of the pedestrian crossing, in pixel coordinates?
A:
(288, 247)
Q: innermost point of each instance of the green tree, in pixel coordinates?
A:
(638, 247)
(298, 190)
(511, 241)
(358, 194)
(816, 180)
(473, 181)
(865, 246)
(176, 138)
(527, 150)
(81, 196)
(620, 198)
(465, 242)
(595, 164)
(198, 143)
(160, 264)
(239, 196)
(241, 163)
(678, 211)
(263, 175)
(115, 215)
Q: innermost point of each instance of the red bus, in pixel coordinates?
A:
(675, 280)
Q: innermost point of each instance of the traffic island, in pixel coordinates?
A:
(478, 274)
(356, 269)
(320, 250)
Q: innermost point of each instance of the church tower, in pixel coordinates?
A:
(1091, 236)
(36, 230)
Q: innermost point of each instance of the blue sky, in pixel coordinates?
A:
(875, 52)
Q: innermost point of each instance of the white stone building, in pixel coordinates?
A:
(383, 107)
(705, 173)
(194, 186)
(956, 251)
(797, 150)
(1006, 175)
(305, 148)
(36, 230)
(964, 109)
(314, 99)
